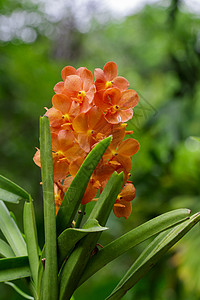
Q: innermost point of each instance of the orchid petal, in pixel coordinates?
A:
(128, 192)
(128, 147)
(99, 75)
(61, 102)
(87, 79)
(129, 99)
(126, 114)
(110, 69)
(73, 83)
(124, 211)
(66, 71)
(80, 123)
(121, 82)
(55, 117)
(59, 87)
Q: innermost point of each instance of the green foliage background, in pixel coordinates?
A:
(158, 51)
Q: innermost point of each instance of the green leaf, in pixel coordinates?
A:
(151, 255)
(5, 249)
(11, 192)
(133, 238)
(40, 274)
(11, 231)
(19, 291)
(78, 186)
(50, 284)
(14, 268)
(77, 261)
(31, 239)
(69, 238)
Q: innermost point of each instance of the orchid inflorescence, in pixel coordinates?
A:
(85, 112)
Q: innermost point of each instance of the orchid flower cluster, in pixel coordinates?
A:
(84, 112)
(82, 151)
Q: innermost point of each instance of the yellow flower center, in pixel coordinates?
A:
(109, 84)
(119, 197)
(90, 132)
(123, 125)
(114, 153)
(66, 117)
(113, 109)
(60, 154)
(81, 95)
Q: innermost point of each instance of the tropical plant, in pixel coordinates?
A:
(82, 154)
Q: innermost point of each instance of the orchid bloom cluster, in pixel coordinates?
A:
(84, 112)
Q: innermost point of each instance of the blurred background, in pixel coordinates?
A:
(156, 45)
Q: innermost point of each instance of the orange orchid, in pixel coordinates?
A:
(60, 166)
(122, 206)
(121, 157)
(107, 78)
(66, 71)
(90, 127)
(65, 147)
(78, 86)
(83, 113)
(63, 112)
(116, 105)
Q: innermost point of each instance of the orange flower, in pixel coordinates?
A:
(65, 150)
(79, 87)
(107, 78)
(60, 165)
(63, 112)
(90, 127)
(116, 105)
(83, 113)
(122, 155)
(66, 71)
(65, 147)
(122, 206)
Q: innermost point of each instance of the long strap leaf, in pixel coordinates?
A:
(78, 186)
(77, 261)
(50, 288)
(19, 291)
(31, 239)
(5, 249)
(133, 238)
(11, 192)
(151, 255)
(11, 231)
(14, 268)
(70, 237)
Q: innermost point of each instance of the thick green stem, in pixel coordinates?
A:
(50, 285)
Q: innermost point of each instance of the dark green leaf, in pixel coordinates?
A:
(14, 268)
(19, 291)
(133, 238)
(69, 237)
(5, 249)
(11, 192)
(31, 239)
(77, 261)
(11, 231)
(151, 255)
